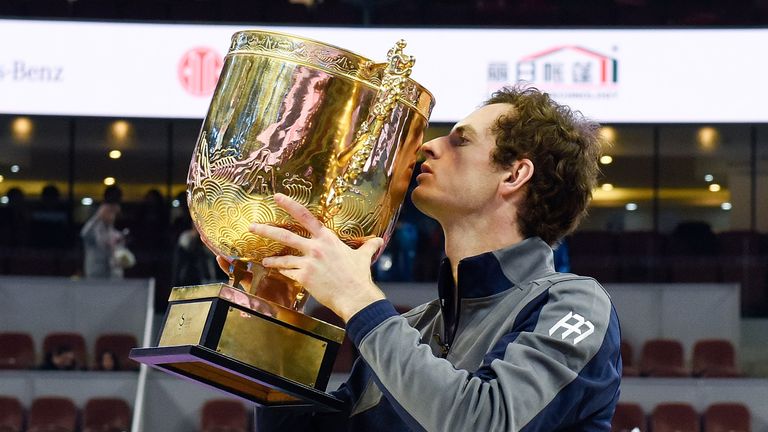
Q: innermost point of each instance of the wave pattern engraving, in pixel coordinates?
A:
(353, 221)
(298, 189)
(224, 211)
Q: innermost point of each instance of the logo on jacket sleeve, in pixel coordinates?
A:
(573, 324)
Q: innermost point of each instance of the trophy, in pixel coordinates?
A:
(331, 129)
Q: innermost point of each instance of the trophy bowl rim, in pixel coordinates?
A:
(345, 51)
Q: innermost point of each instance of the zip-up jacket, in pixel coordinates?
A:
(512, 346)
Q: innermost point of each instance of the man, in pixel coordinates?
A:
(510, 344)
(101, 238)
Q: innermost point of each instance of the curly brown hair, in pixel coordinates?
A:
(564, 148)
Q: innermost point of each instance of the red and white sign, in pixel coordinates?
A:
(199, 70)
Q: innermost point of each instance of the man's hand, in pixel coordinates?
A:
(335, 274)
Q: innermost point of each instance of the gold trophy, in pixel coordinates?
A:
(327, 127)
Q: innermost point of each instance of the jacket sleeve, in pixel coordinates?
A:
(559, 365)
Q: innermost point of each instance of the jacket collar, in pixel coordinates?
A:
(497, 271)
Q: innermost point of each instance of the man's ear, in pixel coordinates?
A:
(518, 175)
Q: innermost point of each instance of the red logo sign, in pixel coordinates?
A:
(199, 70)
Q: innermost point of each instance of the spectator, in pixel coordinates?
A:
(60, 358)
(49, 220)
(105, 252)
(108, 362)
(14, 219)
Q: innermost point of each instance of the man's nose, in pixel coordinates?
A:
(429, 149)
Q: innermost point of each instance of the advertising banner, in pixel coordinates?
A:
(611, 75)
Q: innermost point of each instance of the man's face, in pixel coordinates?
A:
(458, 178)
(107, 361)
(64, 360)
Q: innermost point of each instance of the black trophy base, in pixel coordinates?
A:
(208, 367)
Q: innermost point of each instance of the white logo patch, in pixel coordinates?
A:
(573, 323)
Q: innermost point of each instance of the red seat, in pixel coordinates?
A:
(662, 358)
(628, 367)
(120, 344)
(627, 417)
(674, 417)
(11, 415)
(224, 415)
(17, 351)
(75, 341)
(49, 414)
(727, 417)
(715, 358)
(106, 415)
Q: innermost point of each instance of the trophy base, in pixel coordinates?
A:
(223, 373)
(252, 348)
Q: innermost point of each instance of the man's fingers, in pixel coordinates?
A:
(282, 262)
(372, 246)
(280, 235)
(300, 213)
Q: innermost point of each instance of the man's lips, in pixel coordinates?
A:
(426, 169)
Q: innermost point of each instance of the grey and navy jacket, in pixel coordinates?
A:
(512, 346)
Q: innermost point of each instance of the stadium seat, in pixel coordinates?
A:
(48, 414)
(727, 417)
(11, 415)
(628, 417)
(714, 358)
(17, 351)
(219, 415)
(75, 341)
(674, 417)
(627, 360)
(120, 344)
(662, 358)
(106, 415)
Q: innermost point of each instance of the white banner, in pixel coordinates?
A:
(614, 76)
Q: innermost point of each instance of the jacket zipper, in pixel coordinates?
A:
(444, 347)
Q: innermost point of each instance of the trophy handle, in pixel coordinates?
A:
(398, 69)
